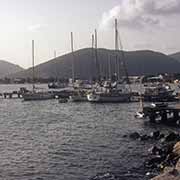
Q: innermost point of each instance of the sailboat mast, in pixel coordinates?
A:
(72, 50)
(33, 80)
(92, 41)
(54, 54)
(96, 57)
(117, 63)
(116, 36)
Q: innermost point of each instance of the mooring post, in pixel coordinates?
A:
(152, 117)
(10, 95)
(163, 116)
(175, 115)
(19, 95)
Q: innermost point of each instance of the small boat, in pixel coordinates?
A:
(31, 96)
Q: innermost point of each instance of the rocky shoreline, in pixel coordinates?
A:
(164, 157)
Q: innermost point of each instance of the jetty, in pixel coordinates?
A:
(163, 113)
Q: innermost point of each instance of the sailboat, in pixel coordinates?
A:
(78, 95)
(111, 91)
(34, 94)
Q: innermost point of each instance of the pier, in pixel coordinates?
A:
(163, 113)
(10, 95)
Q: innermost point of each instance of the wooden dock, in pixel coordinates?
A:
(10, 95)
(163, 113)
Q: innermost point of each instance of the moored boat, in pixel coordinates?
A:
(35, 95)
(159, 92)
(110, 93)
(30, 96)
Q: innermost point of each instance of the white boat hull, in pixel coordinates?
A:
(108, 98)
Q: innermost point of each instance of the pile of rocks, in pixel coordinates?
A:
(164, 156)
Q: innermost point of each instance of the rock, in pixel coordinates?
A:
(178, 165)
(176, 149)
(144, 137)
(155, 150)
(170, 174)
(155, 134)
(172, 137)
(161, 136)
(154, 161)
(134, 135)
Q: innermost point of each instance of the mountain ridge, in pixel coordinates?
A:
(140, 62)
(7, 68)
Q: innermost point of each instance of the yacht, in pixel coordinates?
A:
(110, 93)
(159, 92)
(34, 94)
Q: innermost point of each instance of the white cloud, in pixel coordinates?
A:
(140, 13)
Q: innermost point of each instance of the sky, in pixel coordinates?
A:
(142, 24)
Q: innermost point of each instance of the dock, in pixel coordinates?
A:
(163, 113)
(10, 95)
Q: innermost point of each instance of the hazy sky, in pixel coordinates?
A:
(143, 24)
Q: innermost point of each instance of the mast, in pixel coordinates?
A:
(109, 66)
(56, 74)
(33, 76)
(72, 50)
(92, 41)
(54, 54)
(117, 63)
(116, 36)
(92, 62)
(96, 57)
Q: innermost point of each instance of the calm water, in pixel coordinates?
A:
(45, 140)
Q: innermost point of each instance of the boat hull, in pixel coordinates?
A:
(78, 98)
(37, 96)
(102, 98)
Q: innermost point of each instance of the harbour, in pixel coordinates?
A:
(45, 139)
(90, 91)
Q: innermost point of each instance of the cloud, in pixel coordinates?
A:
(36, 27)
(140, 13)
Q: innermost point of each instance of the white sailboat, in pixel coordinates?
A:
(34, 94)
(78, 95)
(110, 91)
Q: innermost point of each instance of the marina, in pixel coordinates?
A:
(89, 90)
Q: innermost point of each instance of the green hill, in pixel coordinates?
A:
(138, 63)
(7, 68)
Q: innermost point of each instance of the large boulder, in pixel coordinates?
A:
(176, 149)
(172, 137)
(170, 173)
(134, 135)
